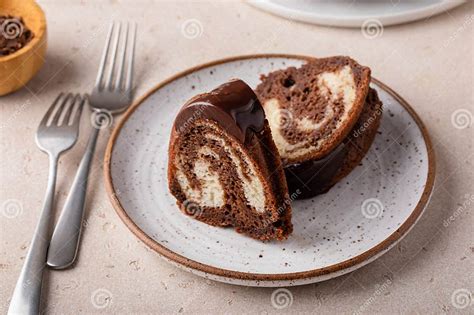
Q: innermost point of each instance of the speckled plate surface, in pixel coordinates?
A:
(358, 220)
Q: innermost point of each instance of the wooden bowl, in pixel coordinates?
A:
(18, 68)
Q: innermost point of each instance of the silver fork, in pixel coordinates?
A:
(57, 132)
(107, 98)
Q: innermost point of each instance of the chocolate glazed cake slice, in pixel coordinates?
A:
(313, 111)
(224, 168)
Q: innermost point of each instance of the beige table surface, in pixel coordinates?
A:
(429, 63)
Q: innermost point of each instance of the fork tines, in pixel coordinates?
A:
(65, 110)
(117, 77)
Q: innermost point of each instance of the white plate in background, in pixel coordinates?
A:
(354, 13)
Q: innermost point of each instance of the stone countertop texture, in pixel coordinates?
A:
(430, 63)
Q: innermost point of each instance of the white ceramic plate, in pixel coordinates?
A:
(350, 13)
(358, 220)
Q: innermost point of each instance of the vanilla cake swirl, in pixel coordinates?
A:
(224, 168)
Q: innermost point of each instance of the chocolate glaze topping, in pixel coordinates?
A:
(311, 178)
(233, 105)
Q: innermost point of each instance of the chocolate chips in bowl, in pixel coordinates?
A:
(14, 34)
(23, 43)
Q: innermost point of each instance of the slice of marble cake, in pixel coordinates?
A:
(323, 120)
(224, 168)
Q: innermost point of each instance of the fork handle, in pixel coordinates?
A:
(27, 294)
(65, 240)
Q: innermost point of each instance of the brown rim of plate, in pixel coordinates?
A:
(167, 253)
